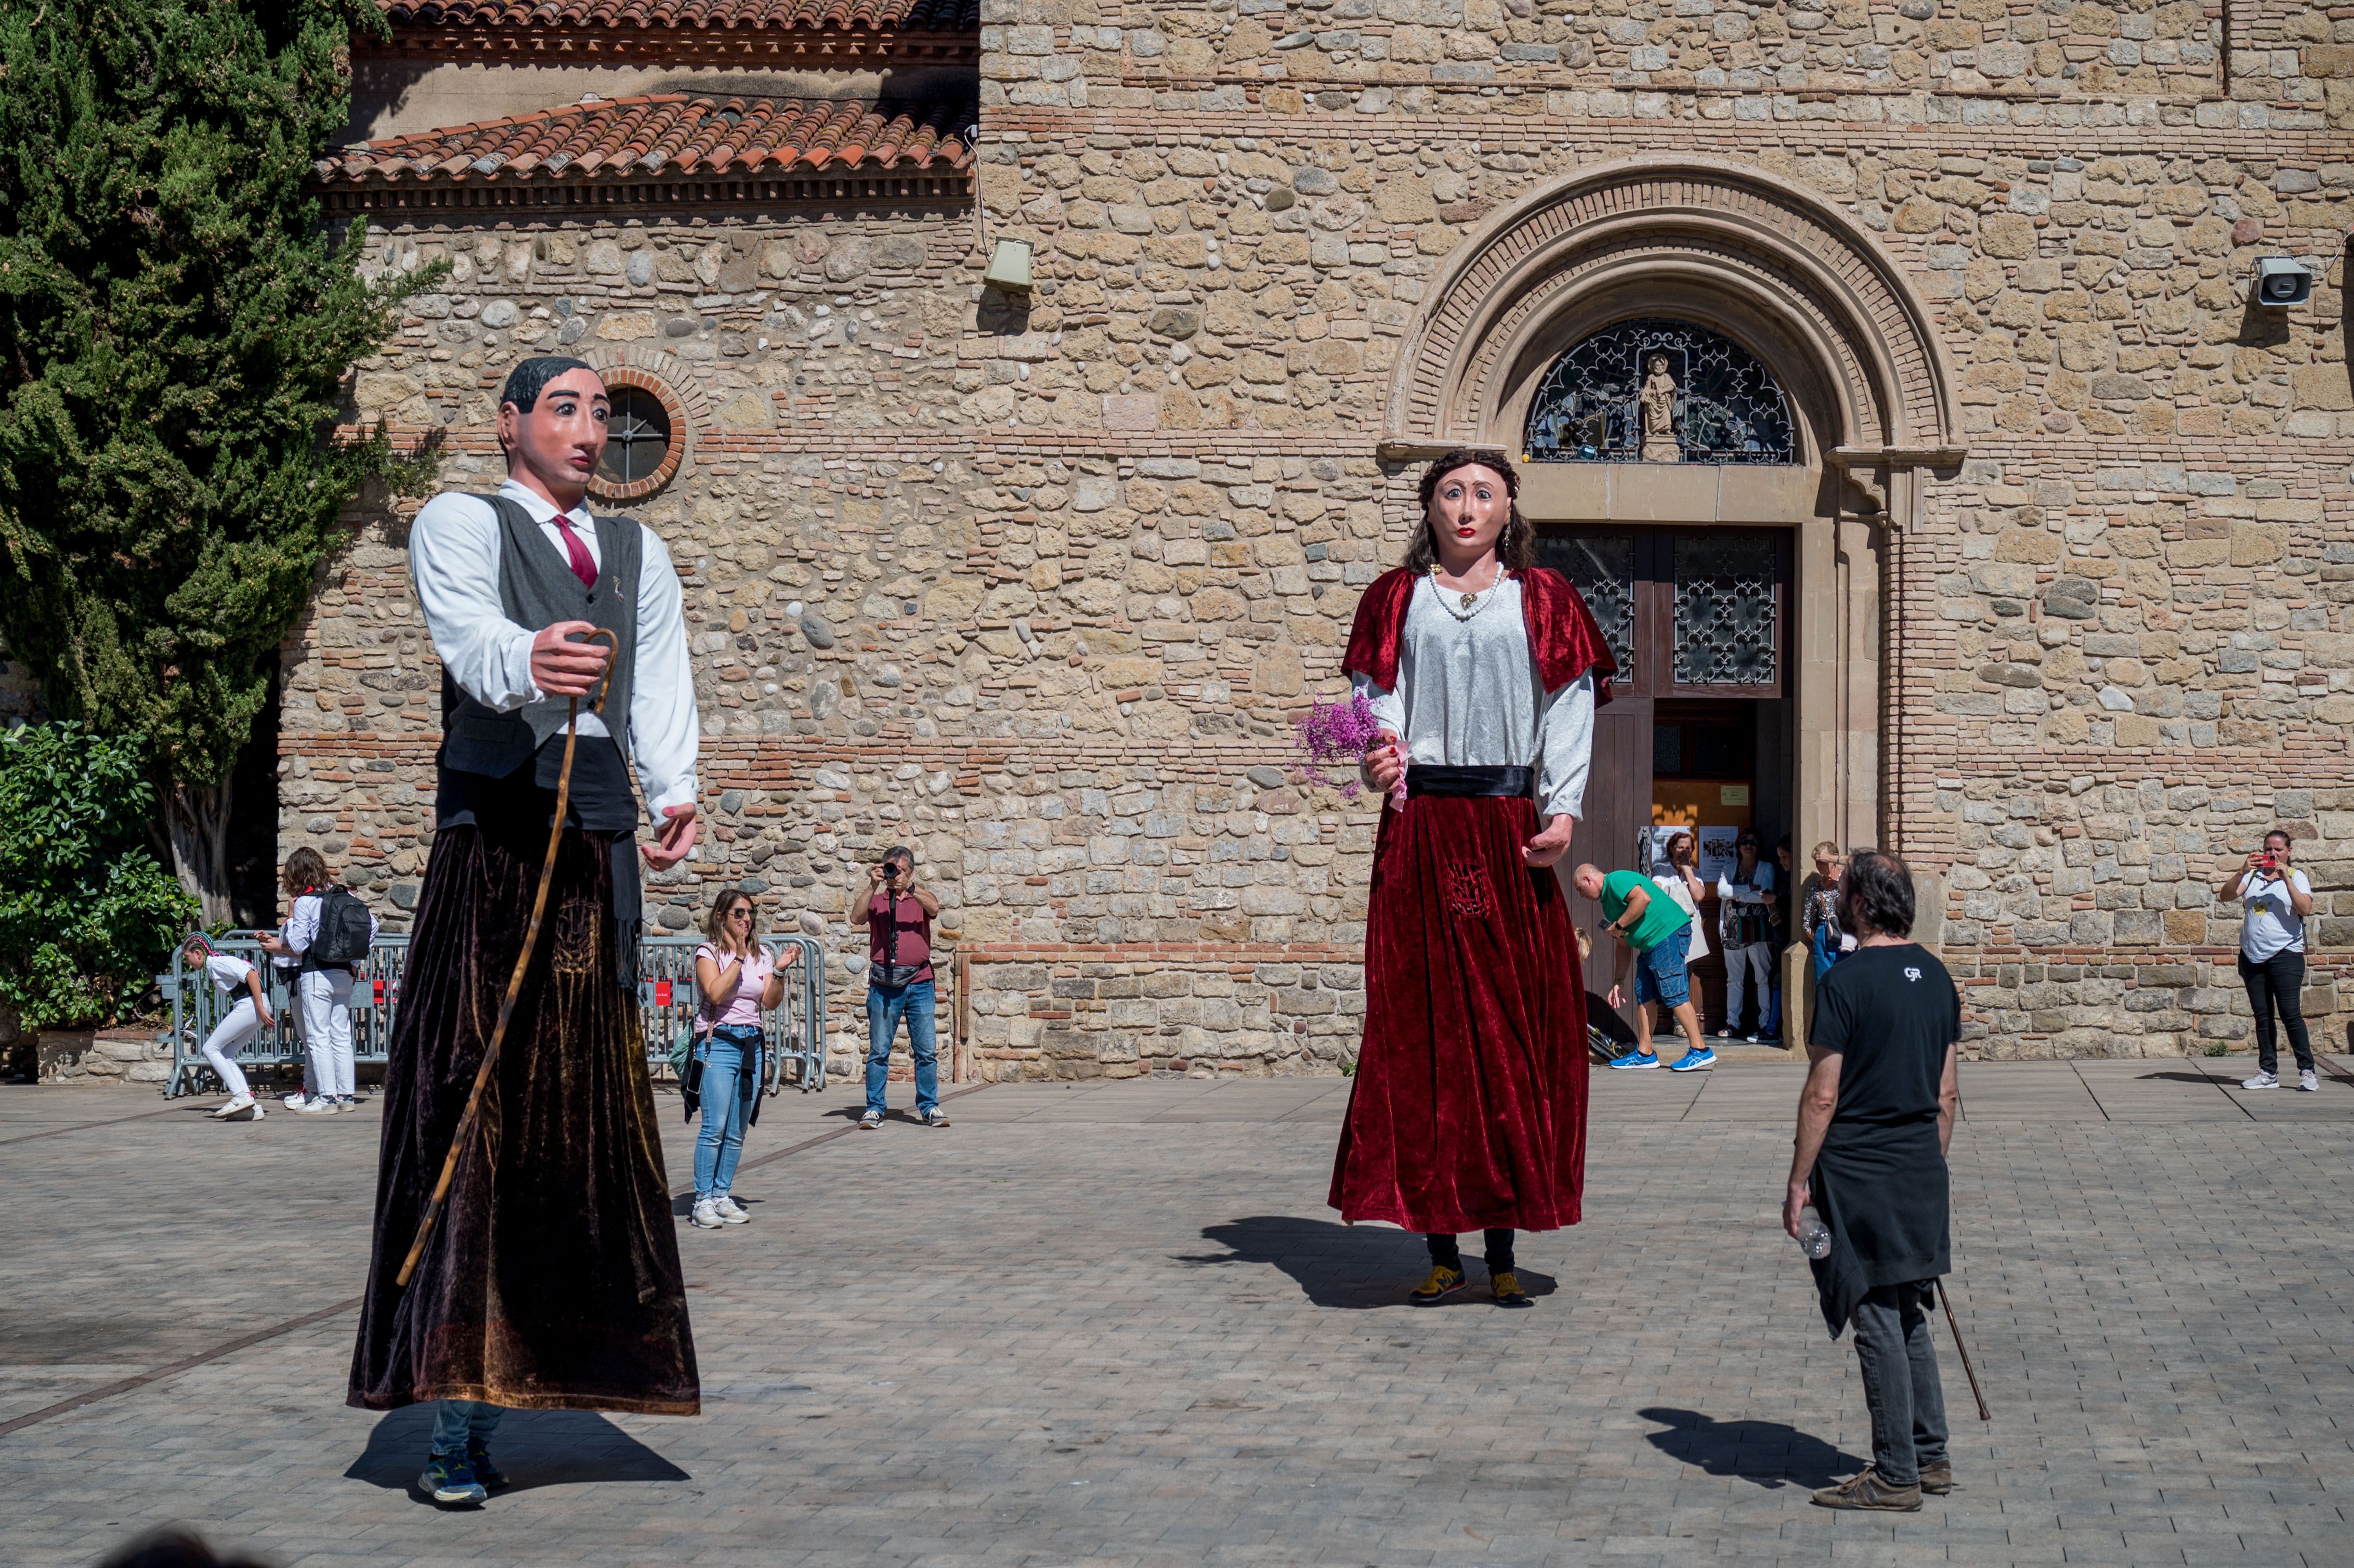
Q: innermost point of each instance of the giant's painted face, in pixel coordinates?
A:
(1468, 511)
(561, 438)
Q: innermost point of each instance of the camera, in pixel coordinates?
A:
(2281, 283)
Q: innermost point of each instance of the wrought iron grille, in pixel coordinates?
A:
(1727, 626)
(1728, 407)
(1602, 567)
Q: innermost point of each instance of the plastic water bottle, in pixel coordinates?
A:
(1814, 1237)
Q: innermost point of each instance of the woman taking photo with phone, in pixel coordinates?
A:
(737, 979)
(2276, 899)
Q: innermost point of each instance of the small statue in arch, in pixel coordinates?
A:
(1658, 401)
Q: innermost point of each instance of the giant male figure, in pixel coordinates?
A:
(551, 1278)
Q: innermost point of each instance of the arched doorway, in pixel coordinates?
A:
(1722, 394)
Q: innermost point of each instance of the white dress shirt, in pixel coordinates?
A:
(1467, 697)
(453, 554)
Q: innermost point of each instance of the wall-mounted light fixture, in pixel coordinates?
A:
(1009, 267)
(2281, 283)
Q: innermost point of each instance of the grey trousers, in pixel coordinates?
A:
(1900, 1380)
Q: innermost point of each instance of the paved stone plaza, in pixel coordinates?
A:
(1116, 1324)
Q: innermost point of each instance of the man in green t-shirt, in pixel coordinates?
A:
(1654, 931)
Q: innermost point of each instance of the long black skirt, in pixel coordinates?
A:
(551, 1280)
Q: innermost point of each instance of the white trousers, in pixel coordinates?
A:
(220, 1048)
(326, 1000)
(1739, 964)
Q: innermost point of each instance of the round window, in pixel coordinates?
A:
(637, 437)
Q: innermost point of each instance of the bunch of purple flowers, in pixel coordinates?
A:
(1332, 732)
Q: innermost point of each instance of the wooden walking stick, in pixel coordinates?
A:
(1976, 1392)
(515, 982)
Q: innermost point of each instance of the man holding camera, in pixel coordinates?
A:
(898, 915)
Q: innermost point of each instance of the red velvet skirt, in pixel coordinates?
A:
(1469, 1106)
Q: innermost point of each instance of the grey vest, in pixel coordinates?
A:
(536, 589)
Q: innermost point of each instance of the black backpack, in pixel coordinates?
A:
(344, 932)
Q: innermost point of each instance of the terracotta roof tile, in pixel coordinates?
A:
(874, 15)
(674, 134)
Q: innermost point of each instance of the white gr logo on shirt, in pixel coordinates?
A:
(1910, 973)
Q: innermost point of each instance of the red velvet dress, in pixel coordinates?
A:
(1468, 1110)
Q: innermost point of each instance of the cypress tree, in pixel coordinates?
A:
(176, 325)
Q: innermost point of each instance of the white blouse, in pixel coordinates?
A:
(1468, 696)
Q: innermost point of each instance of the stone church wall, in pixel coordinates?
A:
(2120, 633)
(1035, 585)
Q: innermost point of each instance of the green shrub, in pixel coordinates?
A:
(86, 912)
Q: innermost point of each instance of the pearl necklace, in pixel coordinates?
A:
(1470, 604)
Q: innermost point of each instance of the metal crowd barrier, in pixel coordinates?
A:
(666, 996)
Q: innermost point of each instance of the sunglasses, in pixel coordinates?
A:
(742, 911)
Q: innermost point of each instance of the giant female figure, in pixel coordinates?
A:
(1468, 1111)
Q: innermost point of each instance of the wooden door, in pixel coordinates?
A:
(1618, 820)
(1619, 783)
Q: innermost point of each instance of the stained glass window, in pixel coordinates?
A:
(1716, 400)
(1602, 567)
(1727, 625)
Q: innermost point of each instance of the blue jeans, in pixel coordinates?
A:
(458, 1423)
(885, 1005)
(1827, 951)
(731, 1077)
(1660, 971)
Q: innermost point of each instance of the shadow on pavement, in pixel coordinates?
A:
(1350, 1267)
(1768, 1453)
(534, 1447)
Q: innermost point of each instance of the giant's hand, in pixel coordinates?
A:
(1384, 763)
(563, 668)
(1551, 843)
(676, 840)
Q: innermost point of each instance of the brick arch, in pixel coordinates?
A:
(683, 401)
(1781, 254)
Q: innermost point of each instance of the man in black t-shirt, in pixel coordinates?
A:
(1874, 1121)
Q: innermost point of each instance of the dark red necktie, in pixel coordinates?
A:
(582, 566)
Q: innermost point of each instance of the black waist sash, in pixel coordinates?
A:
(1432, 778)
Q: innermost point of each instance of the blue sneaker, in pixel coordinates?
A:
(478, 1459)
(1634, 1059)
(1694, 1061)
(450, 1482)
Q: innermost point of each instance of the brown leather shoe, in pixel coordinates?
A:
(1868, 1492)
(1937, 1479)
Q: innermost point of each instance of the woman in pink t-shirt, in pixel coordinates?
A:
(737, 978)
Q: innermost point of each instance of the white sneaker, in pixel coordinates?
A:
(871, 1120)
(2261, 1081)
(706, 1215)
(2308, 1082)
(236, 1103)
(729, 1211)
(1724, 1033)
(292, 1101)
(319, 1107)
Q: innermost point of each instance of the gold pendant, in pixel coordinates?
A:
(1469, 599)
